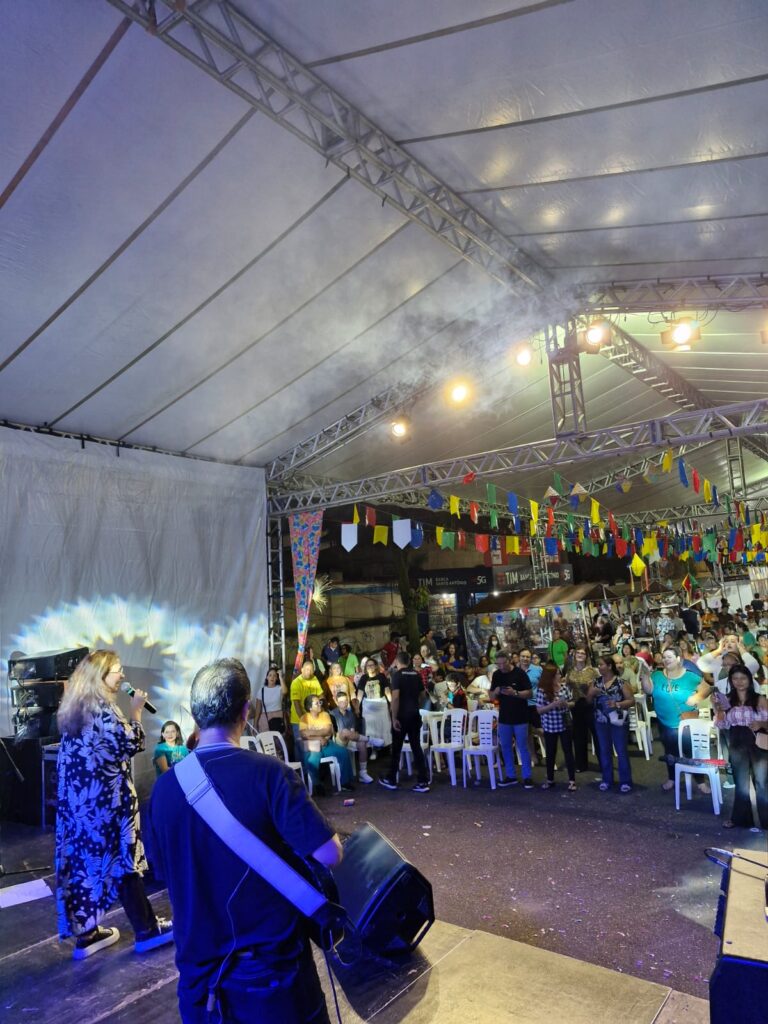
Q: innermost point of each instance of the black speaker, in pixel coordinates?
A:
(387, 898)
(21, 801)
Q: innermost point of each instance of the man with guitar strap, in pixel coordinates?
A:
(242, 946)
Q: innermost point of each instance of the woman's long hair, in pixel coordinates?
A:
(752, 697)
(179, 741)
(85, 691)
(547, 680)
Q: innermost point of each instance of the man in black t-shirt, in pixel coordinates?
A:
(407, 689)
(512, 688)
(237, 939)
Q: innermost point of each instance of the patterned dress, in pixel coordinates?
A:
(97, 822)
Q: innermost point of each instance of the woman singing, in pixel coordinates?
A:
(99, 852)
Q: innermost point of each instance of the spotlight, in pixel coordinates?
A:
(459, 392)
(681, 334)
(400, 428)
(523, 354)
(592, 338)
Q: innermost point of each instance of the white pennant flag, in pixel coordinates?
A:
(401, 532)
(348, 536)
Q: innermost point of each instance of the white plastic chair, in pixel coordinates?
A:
(638, 727)
(482, 724)
(645, 715)
(700, 732)
(333, 764)
(272, 744)
(407, 754)
(450, 730)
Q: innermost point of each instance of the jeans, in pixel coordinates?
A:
(410, 729)
(550, 750)
(583, 727)
(520, 732)
(608, 737)
(260, 989)
(748, 761)
(312, 760)
(670, 743)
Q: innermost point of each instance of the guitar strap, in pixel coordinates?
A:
(201, 796)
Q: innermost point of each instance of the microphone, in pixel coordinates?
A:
(127, 688)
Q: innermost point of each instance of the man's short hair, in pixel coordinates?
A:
(403, 658)
(219, 693)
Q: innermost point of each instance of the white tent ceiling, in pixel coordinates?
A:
(178, 270)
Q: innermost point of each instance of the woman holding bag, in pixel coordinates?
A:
(612, 698)
(743, 713)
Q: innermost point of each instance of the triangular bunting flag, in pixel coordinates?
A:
(449, 540)
(490, 490)
(681, 472)
(349, 536)
(417, 535)
(482, 542)
(381, 534)
(355, 516)
(473, 510)
(439, 535)
(469, 478)
(370, 516)
(666, 462)
(594, 513)
(493, 516)
(453, 504)
(435, 500)
(512, 503)
(401, 532)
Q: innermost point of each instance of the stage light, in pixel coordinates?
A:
(681, 334)
(523, 354)
(592, 338)
(459, 392)
(400, 428)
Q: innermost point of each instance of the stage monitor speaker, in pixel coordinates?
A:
(20, 800)
(387, 898)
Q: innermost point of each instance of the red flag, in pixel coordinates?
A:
(612, 523)
(370, 516)
(696, 481)
(481, 542)
(469, 478)
(696, 540)
(462, 539)
(621, 547)
(550, 521)
(473, 510)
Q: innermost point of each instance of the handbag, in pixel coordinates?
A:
(617, 716)
(326, 920)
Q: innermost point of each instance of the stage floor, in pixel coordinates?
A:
(457, 976)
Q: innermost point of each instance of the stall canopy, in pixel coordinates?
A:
(546, 597)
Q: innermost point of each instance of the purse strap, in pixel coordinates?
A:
(204, 799)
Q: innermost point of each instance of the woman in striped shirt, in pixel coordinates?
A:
(744, 714)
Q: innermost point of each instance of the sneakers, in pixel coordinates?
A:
(161, 934)
(372, 755)
(507, 782)
(603, 787)
(364, 777)
(420, 787)
(92, 942)
(375, 741)
(625, 788)
(387, 784)
(527, 783)
(348, 788)
(727, 784)
(669, 784)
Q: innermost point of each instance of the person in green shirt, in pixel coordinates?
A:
(558, 649)
(349, 661)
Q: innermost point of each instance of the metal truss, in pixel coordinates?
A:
(566, 389)
(741, 419)
(730, 292)
(734, 458)
(276, 592)
(220, 40)
(654, 372)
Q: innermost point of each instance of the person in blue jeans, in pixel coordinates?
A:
(317, 739)
(511, 687)
(612, 698)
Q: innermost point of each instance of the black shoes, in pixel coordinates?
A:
(90, 943)
(161, 934)
(387, 784)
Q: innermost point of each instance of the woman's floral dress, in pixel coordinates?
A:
(97, 822)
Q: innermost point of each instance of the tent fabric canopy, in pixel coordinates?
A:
(181, 271)
(546, 597)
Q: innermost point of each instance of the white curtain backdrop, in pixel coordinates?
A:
(161, 558)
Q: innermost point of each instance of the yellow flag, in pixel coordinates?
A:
(707, 491)
(355, 515)
(581, 534)
(454, 504)
(649, 546)
(381, 534)
(533, 527)
(666, 462)
(755, 533)
(439, 535)
(512, 545)
(637, 565)
(684, 556)
(534, 512)
(595, 511)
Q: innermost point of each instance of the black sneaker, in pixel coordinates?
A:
(92, 942)
(507, 782)
(527, 783)
(420, 787)
(347, 789)
(387, 783)
(161, 934)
